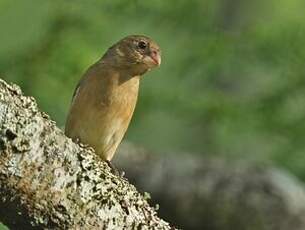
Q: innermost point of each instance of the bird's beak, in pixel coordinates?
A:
(153, 59)
(156, 57)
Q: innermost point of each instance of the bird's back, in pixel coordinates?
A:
(101, 109)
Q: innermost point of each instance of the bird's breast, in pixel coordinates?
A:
(116, 112)
(120, 98)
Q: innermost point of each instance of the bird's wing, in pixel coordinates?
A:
(76, 90)
(90, 70)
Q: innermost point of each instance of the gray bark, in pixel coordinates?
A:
(213, 194)
(49, 182)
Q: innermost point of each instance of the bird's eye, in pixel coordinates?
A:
(142, 45)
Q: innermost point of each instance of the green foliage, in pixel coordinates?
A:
(2, 227)
(231, 82)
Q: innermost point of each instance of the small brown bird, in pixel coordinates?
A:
(105, 98)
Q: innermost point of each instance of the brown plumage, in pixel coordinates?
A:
(105, 98)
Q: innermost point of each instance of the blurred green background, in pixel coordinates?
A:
(232, 81)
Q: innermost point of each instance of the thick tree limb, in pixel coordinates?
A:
(47, 181)
(213, 194)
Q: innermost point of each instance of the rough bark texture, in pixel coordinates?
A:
(48, 182)
(213, 194)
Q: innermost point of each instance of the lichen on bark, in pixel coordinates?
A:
(49, 182)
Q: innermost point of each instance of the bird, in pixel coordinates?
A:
(105, 98)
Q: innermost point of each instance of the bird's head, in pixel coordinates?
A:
(136, 53)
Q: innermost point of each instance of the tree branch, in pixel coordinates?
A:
(49, 182)
(214, 193)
